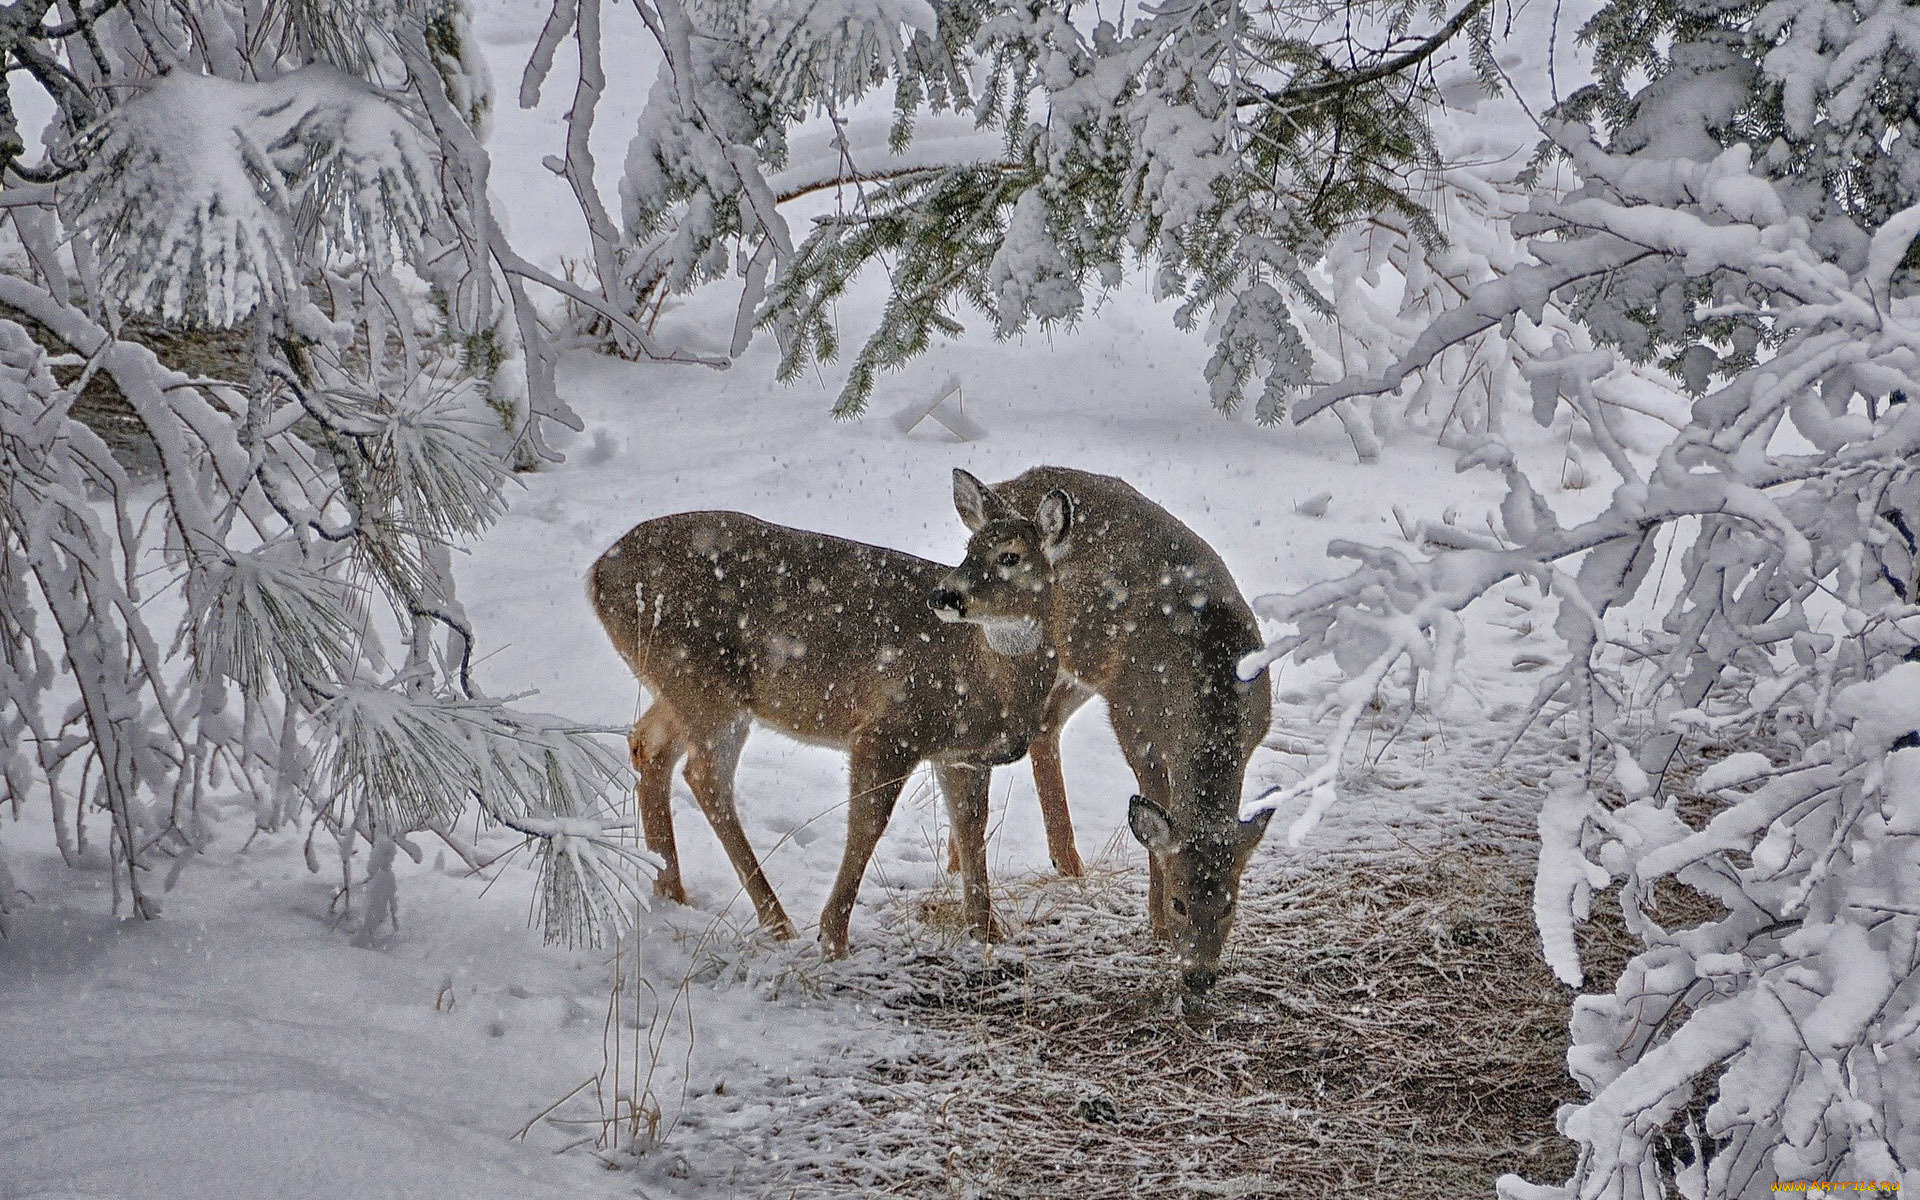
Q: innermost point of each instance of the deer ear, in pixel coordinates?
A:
(1055, 519)
(1149, 823)
(976, 502)
(1251, 831)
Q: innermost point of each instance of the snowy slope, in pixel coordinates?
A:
(241, 1047)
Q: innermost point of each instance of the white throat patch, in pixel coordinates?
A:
(1014, 637)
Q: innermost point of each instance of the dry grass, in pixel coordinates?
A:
(1385, 1027)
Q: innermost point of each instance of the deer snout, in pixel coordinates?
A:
(1199, 980)
(947, 604)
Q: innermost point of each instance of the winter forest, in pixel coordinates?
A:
(1475, 751)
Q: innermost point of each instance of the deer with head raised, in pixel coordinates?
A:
(1145, 615)
(728, 619)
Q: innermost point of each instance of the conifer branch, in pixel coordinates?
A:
(1308, 93)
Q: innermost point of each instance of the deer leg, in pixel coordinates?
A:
(656, 743)
(711, 763)
(1156, 897)
(966, 788)
(1156, 784)
(877, 769)
(1052, 788)
(1048, 781)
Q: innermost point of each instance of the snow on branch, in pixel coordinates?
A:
(1223, 144)
(398, 760)
(1776, 1039)
(202, 190)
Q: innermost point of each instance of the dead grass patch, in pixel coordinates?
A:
(1384, 1027)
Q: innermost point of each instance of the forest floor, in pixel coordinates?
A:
(1383, 1027)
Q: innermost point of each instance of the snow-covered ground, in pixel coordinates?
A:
(244, 1046)
(338, 1070)
(405, 1068)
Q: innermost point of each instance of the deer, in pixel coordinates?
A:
(1146, 616)
(727, 620)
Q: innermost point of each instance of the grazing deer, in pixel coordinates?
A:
(1146, 616)
(727, 618)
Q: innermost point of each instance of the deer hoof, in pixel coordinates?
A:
(668, 886)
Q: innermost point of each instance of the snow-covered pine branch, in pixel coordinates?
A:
(1388, 290)
(202, 193)
(398, 760)
(269, 609)
(736, 76)
(1779, 1039)
(1221, 143)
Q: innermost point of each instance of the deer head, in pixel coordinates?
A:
(1004, 585)
(1199, 877)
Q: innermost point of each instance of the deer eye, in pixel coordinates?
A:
(1009, 559)
(1179, 906)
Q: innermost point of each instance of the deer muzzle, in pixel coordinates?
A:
(947, 604)
(1199, 980)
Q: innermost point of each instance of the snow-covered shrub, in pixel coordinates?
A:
(272, 612)
(1749, 223)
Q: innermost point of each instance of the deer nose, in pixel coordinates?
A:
(1199, 980)
(944, 600)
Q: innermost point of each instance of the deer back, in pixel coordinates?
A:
(720, 614)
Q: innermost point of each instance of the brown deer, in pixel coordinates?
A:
(1146, 616)
(727, 619)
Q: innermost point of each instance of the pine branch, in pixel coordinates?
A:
(1300, 95)
(844, 177)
